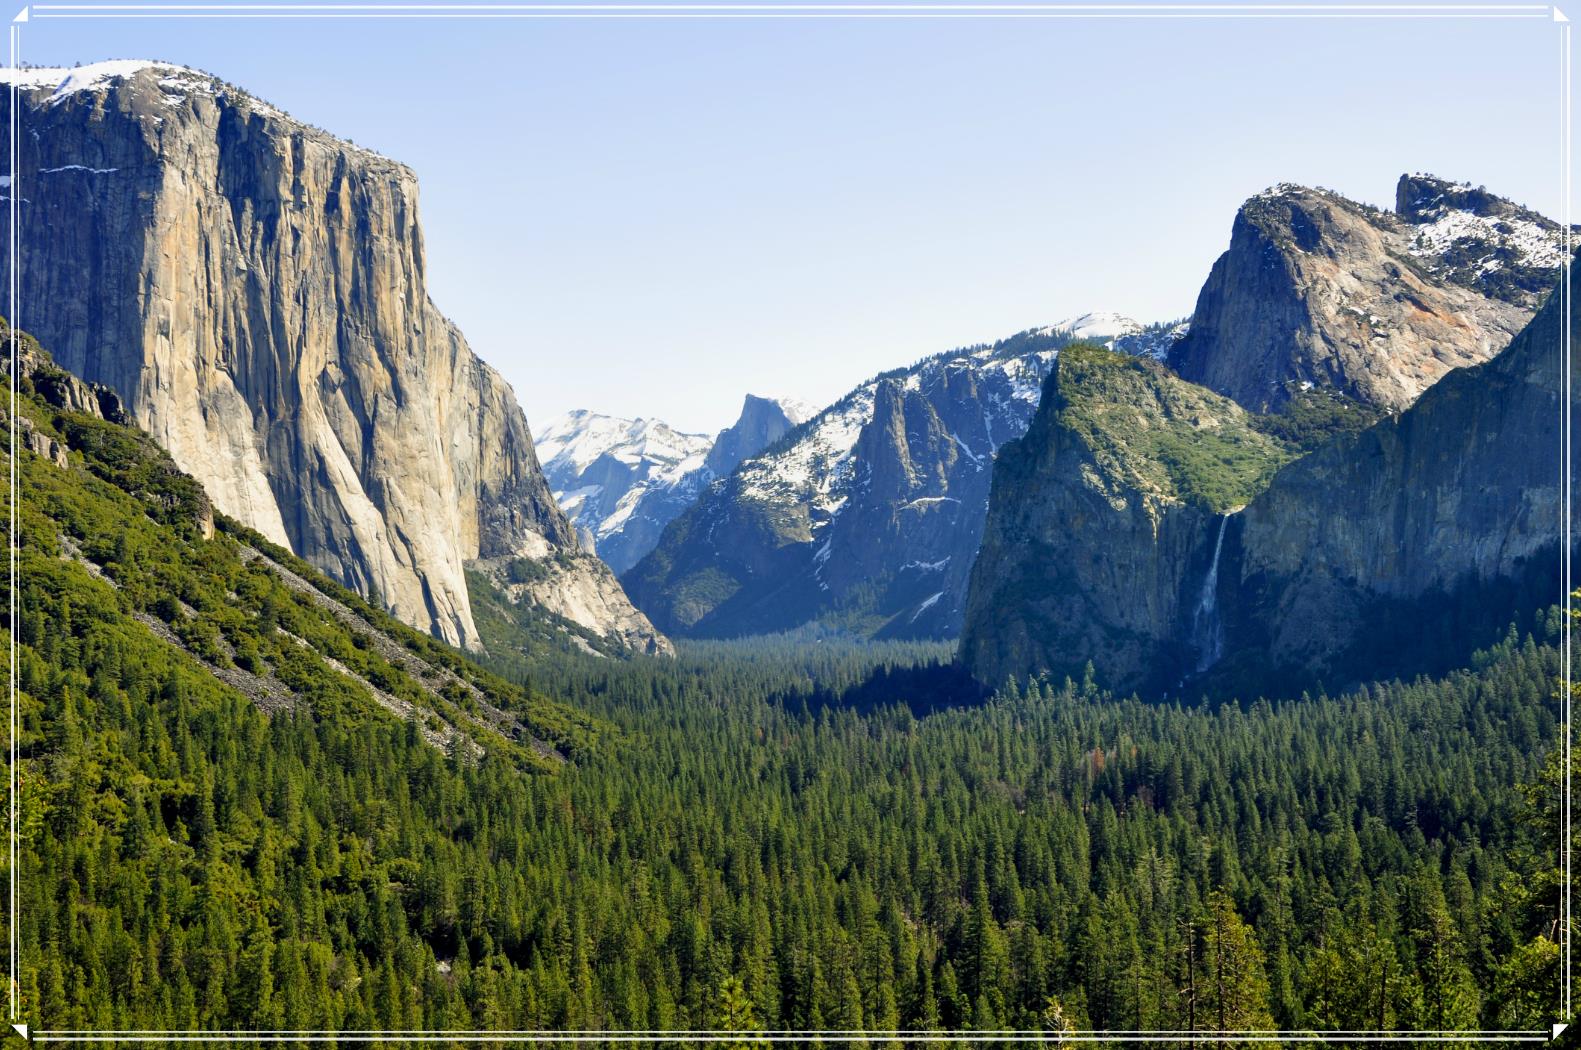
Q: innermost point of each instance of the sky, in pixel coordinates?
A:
(653, 217)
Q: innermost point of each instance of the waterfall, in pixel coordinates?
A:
(1207, 631)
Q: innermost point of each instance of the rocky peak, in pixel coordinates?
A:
(864, 519)
(905, 450)
(1317, 290)
(1421, 198)
(762, 422)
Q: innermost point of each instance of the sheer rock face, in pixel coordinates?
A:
(1317, 290)
(255, 290)
(1099, 535)
(762, 422)
(1458, 496)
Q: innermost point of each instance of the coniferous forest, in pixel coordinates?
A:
(777, 834)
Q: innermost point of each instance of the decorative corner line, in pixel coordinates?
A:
(1559, 16)
(21, 16)
(21, 1029)
(1558, 1028)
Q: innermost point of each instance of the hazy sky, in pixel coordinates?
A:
(653, 217)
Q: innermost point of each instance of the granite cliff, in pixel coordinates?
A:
(1094, 535)
(255, 291)
(1436, 525)
(1319, 291)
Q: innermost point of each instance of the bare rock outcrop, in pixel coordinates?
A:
(1318, 290)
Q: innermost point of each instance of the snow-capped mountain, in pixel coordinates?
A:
(1118, 332)
(1465, 235)
(622, 480)
(867, 517)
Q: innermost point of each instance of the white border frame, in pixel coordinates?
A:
(799, 9)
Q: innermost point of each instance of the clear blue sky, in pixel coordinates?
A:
(649, 217)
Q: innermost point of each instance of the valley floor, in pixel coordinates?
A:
(803, 835)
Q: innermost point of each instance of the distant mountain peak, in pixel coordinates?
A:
(621, 481)
(866, 517)
(762, 422)
(1099, 325)
(796, 411)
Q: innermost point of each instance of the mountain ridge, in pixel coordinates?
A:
(1319, 290)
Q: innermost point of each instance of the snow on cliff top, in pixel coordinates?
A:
(795, 411)
(175, 83)
(69, 81)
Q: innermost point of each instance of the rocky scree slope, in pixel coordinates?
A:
(255, 290)
(1319, 291)
(866, 518)
(622, 480)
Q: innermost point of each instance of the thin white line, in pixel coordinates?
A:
(1153, 8)
(12, 317)
(677, 10)
(1293, 16)
(681, 10)
(1565, 460)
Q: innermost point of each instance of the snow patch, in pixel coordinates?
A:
(71, 81)
(1533, 243)
(927, 604)
(1096, 326)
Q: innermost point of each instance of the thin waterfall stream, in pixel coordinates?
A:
(1207, 630)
